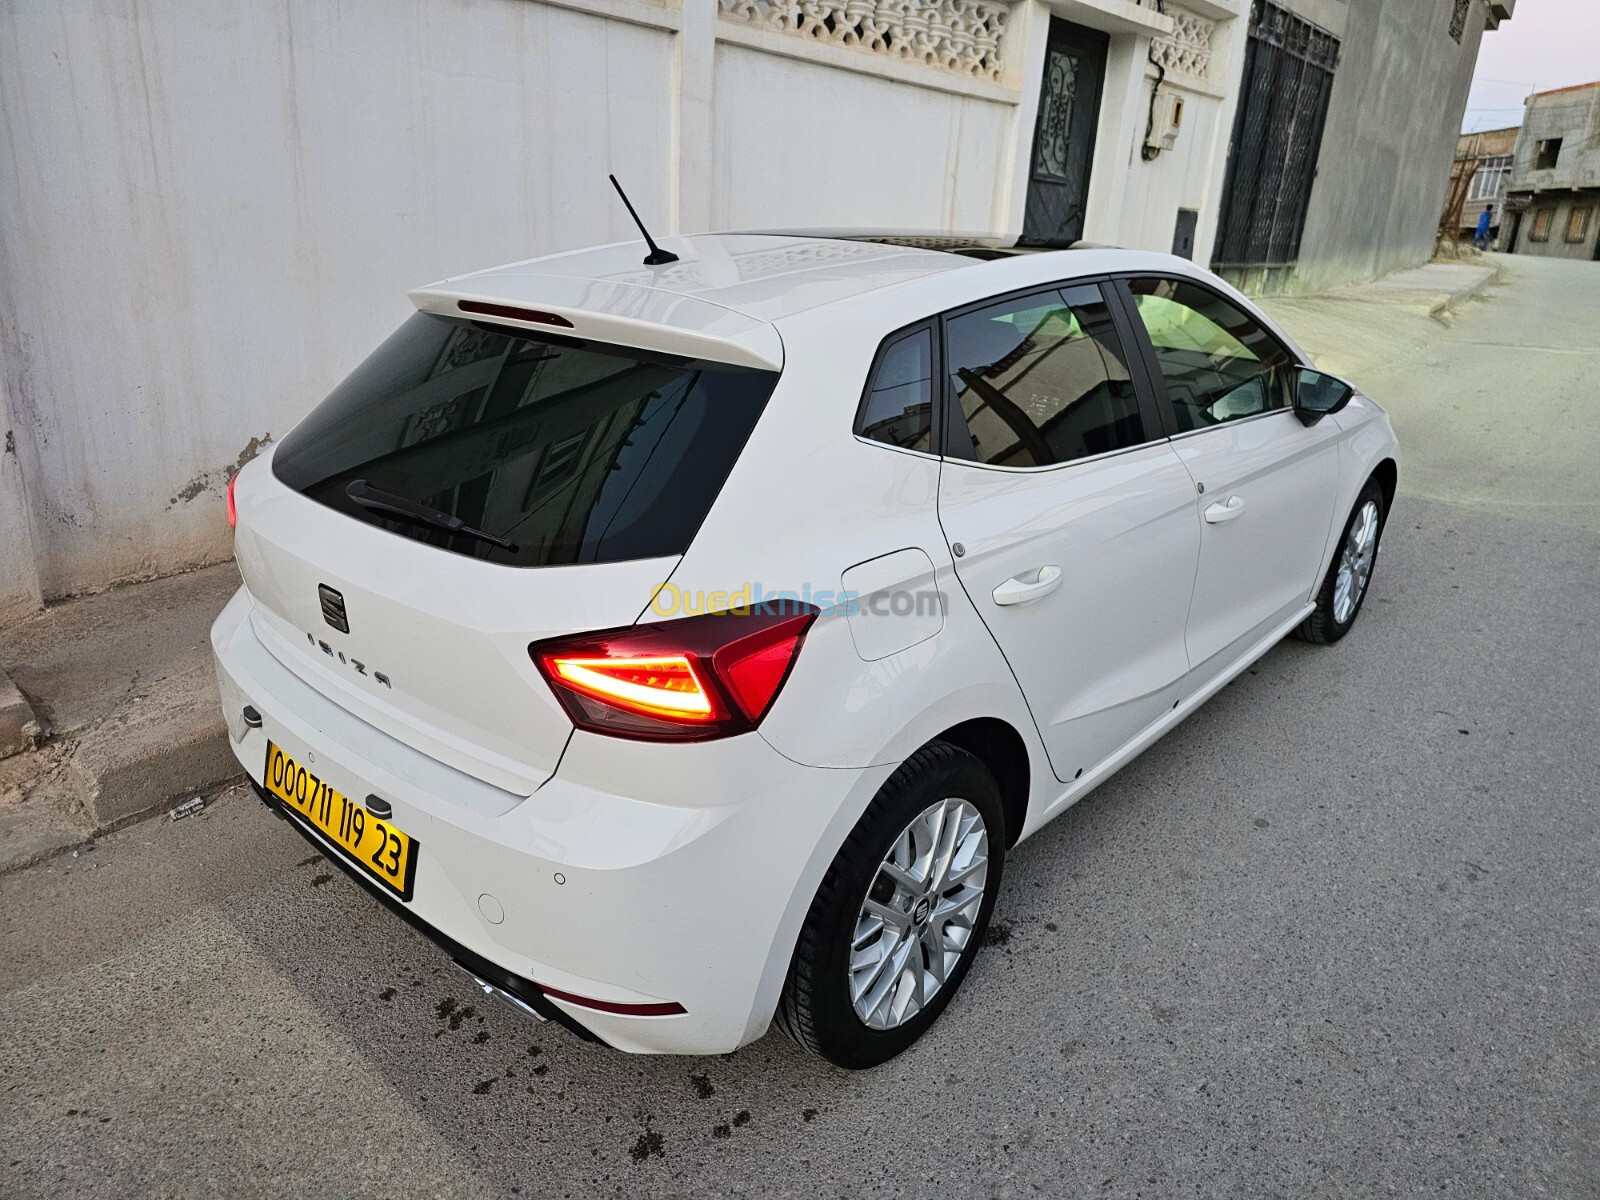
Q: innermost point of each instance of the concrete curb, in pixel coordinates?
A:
(116, 776)
(166, 745)
(132, 790)
(20, 729)
(1451, 304)
(127, 681)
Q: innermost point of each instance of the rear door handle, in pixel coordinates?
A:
(1029, 586)
(1217, 513)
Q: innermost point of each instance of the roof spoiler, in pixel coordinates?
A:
(622, 314)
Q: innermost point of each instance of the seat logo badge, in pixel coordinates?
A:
(333, 608)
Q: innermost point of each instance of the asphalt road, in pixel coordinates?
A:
(1339, 934)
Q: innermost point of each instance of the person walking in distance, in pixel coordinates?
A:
(1485, 218)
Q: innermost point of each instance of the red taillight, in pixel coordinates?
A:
(686, 680)
(233, 509)
(665, 687)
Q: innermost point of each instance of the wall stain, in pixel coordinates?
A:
(208, 480)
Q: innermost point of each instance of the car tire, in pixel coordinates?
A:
(940, 792)
(1357, 553)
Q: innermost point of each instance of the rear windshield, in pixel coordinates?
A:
(549, 450)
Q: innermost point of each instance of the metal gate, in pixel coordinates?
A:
(1288, 76)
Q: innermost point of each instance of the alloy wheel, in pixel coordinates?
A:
(918, 917)
(1355, 562)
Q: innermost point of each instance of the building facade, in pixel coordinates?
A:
(1485, 160)
(214, 209)
(1553, 194)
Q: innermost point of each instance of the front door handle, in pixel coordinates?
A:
(1029, 586)
(1217, 513)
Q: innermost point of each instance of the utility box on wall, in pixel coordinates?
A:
(1166, 121)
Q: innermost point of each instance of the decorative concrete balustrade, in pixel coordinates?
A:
(965, 37)
(1187, 50)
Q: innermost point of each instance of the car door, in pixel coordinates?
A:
(1264, 483)
(1069, 516)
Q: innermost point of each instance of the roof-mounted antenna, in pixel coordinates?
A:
(657, 256)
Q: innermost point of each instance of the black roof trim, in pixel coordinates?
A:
(972, 245)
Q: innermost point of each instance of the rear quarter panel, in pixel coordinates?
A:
(809, 500)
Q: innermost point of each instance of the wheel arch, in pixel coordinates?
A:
(1003, 751)
(1387, 473)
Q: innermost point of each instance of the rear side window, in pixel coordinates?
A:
(898, 408)
(550, 450)
(1041, 379)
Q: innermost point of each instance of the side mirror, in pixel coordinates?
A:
(1318, 394)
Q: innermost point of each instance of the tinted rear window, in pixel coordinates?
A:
(572, 452)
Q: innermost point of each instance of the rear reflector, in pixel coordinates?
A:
(512, 313)
(233, 509)
(663, 1009)
(687, 680)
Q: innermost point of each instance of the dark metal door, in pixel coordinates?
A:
(1277, 135)
(1063, 139)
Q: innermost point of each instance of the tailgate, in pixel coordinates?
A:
(437, 649)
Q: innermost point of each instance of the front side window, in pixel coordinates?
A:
(898, 408)
(552, 450)
(1041, 380)
(1219, 365)
(1541, 224)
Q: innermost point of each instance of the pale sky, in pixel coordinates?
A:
(1547, 44)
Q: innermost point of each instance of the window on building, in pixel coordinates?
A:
(1041, 379)
(1578, 223)
(898, 408)
(1541, 224)
(1547, 152)
(1490, 181)
(1218, 364)
(1458, 18)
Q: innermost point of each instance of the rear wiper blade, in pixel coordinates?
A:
(377, 500)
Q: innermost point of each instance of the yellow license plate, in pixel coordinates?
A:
(376, 846)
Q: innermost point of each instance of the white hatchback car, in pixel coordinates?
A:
(682, 646)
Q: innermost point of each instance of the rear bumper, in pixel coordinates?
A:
(693, 895)
(519, 991)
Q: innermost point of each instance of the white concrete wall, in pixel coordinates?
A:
(19, 575)
(931, 160)
(210, 210)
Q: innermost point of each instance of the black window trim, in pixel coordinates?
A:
(954, 423)
(935, 404)
(1150, 388)
(1152, 367)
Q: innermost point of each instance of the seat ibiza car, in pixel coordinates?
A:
(684, 647)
